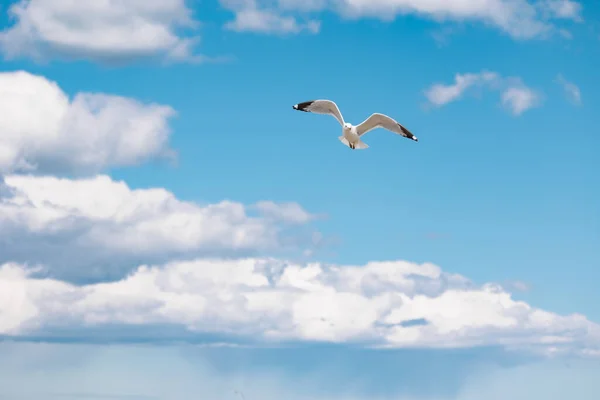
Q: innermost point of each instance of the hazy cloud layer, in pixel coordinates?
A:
(33, 371)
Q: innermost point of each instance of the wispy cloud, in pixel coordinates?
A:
(515, 95)
(248, 18)
(565, 9)
(440, 94)
(572, 91)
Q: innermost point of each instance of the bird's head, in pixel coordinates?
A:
(347, 125)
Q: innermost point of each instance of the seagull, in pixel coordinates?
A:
(351, 134)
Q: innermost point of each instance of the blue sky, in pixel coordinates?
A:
(262, 226)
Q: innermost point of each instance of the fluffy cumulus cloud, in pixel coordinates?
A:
(42, 129)
(515, 95)
(394, 304)
(523, 19)
(76, 224)
(99, 30)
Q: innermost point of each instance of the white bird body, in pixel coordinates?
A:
(351, 134)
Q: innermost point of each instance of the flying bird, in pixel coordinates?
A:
(351, 134)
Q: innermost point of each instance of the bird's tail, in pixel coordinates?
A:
(361, 145)
(358, 145)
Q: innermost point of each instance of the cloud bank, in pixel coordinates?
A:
(515, 96)
(56, 210)
(95, 226)
(391, 304)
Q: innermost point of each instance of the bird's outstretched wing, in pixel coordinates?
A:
(321, 107)
(383, 121)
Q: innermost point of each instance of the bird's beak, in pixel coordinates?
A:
(295, 107)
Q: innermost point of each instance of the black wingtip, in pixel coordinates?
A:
(408, 133)
(303, 106)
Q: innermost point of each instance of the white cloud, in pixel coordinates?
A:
(276, 300)
(572, 91)
(99, 30)
(68, 222)
(440, 94)
(521, 19)
(42, 129)
(265, 21)
(519, 99)
(515, 95)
